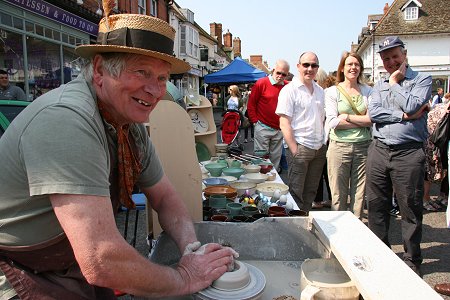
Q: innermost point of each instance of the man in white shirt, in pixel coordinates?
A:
(302, 115)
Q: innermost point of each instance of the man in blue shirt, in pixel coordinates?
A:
(396, 158)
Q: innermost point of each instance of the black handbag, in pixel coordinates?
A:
(440, 138)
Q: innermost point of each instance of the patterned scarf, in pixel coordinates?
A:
(129, 166)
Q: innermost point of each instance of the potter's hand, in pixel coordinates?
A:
(192, 247)
(200, 268)
(230, 266)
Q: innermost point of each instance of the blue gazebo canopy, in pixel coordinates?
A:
(238, 71)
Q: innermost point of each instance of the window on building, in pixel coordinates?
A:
(189, 41)
(154, 8)
(411, 13)
(142, 7)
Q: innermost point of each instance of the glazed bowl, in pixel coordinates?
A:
(215, 181)
(215, 169)
(252, 168)
(265, 167)
(236, 172)
(228, 191)
(256, 177)
(230, 179)
(242, 186)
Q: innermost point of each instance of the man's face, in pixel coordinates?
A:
(393, 59)
(132, 96)
(280, 73)
(4, 80)
(308, 67)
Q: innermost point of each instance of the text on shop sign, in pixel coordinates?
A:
(52, 12)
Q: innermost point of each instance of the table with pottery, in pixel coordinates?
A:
(244, 188)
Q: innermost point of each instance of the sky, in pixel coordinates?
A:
(285, 29)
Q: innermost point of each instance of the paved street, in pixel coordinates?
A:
(435, 242)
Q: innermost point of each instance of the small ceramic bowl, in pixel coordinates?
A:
(256, 177)
(242, 186)
(265, 167)
(217, 201)
(252, 168)
(230, 179)
(215, 181)
(215, 169)
(236, 172)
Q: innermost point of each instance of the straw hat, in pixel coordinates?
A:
(139, 34)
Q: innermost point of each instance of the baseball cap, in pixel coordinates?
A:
(390, 42)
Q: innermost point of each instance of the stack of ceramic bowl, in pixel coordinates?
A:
(221, 150)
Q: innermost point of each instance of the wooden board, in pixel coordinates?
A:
(386, 275)
(172, 134)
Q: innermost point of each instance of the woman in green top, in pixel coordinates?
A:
(348, 124)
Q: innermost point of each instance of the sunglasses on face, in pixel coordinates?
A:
(281, 73)
(307, 65)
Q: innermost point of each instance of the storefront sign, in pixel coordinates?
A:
(55, 13)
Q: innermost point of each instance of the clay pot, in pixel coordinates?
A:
(219, 218)
(276, 210)
(234, 208)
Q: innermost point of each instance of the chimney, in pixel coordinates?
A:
(228, 39)
(256, 60)
(215, 30)
(386, 8)
(237, 46)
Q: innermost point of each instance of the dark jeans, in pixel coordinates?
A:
(401, 168)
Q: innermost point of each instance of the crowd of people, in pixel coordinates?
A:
(58, 195)
(372, 139)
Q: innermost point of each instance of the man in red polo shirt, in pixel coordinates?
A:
(261, 112)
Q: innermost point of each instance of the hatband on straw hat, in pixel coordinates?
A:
(139, 34)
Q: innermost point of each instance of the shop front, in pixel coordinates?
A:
(37, 42)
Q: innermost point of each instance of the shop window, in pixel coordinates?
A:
(57, 35)
(29, 27)
(48, 33)
(71, 40)
(18, 23)
(65, 38)
(11, 56)
(39, 30)
(43, 66)
(6, 19)
(72, 64)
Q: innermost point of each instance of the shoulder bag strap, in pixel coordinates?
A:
(348, 98)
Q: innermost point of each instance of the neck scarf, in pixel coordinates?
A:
(129, 166)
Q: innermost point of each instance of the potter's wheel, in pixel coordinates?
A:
(251, 290)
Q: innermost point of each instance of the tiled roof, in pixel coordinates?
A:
(434, 16)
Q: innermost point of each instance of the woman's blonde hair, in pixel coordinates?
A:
(234, 90)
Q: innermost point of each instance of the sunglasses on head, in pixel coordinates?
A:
(281, 73)
(307, 65)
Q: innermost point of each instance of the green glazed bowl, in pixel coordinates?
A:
(236, 172)
(215, 169)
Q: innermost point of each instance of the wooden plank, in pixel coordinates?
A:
(386, 275)
(172, 134)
